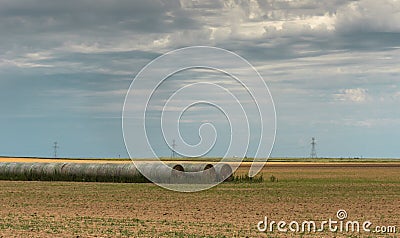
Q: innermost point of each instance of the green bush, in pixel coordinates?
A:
(246, 179)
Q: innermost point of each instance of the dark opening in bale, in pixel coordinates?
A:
(178, 167)
(177, 174)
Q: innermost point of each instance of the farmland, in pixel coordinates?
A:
(301, 191)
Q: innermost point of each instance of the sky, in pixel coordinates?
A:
(332, 68)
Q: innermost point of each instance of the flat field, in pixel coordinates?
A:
(302, 192)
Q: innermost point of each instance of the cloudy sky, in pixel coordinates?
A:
(332, 68)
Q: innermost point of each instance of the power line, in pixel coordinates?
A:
(173, 153)
(313, 153)
(55, 147)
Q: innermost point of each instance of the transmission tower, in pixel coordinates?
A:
(55, 147)
(173, 153)
(313, 153)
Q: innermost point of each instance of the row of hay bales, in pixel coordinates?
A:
(112, 172)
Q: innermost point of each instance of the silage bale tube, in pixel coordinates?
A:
(224, 172)
(129, 173)
(72, 172)
(202, 173)
(51, 171)
(159, 172)
(21, 171)
(35, 171)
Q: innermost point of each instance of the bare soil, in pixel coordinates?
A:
(75, 209)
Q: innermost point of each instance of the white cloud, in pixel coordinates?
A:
(311, 25)
(357, 95)
(21, 63)
(369, 15)
(367, 122)
(39, 55)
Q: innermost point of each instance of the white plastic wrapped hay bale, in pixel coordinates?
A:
(201, 173)
(161, 173)
(224, 172)
(52, 170)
